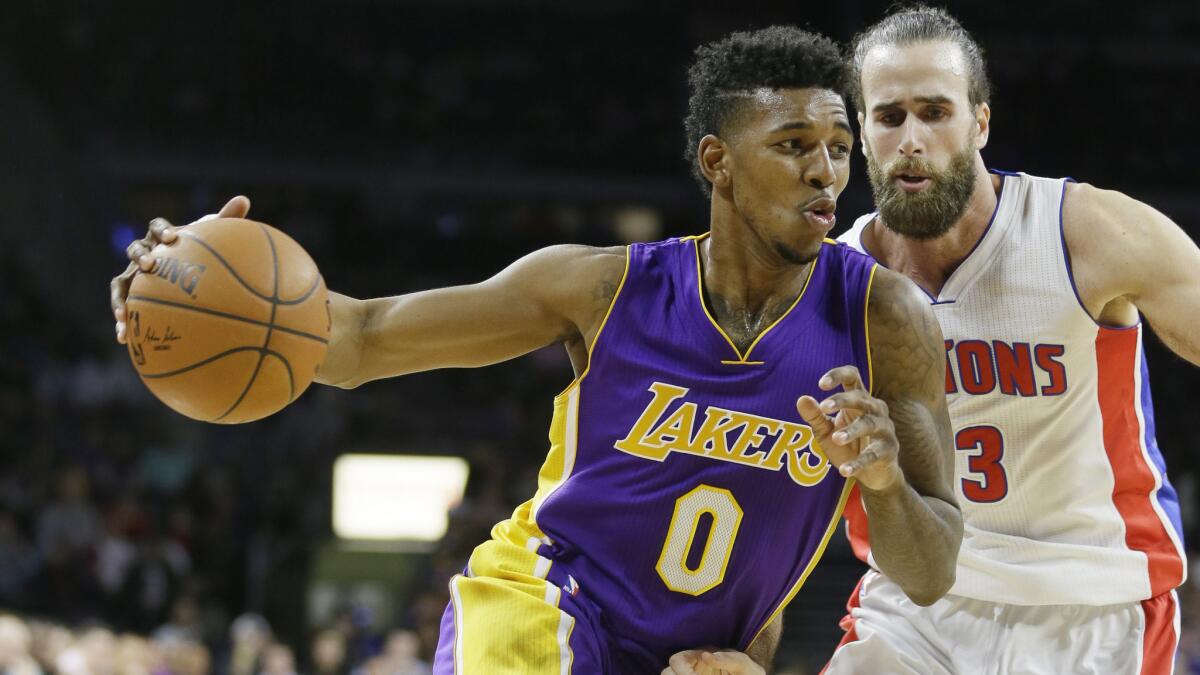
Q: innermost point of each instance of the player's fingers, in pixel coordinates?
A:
(876, 451)
(810, 411)
(161, 230)
(139, 253)
(847, 377)
(843, 418)
(857, 400)
(237, 207)
(682, 663)
(118, 289)
(867, 425)
(733, 662)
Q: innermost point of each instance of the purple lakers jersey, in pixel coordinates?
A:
(683, 494)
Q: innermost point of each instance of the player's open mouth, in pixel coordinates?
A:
(912, 182)
(819, 214)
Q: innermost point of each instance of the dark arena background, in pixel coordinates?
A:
(409, 145)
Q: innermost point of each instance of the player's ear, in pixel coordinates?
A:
(714, 159)
(862, 134)
(983, 120)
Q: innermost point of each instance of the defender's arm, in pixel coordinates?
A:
(1126, 257)
(559, 293)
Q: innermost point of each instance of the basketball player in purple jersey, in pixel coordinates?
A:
(1073, 545)
(693, 477)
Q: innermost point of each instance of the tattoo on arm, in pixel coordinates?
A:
(915, 531)
(598, 300)
(909, 361)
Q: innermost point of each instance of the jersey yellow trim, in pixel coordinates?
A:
(743, 359)
(603, 322)
(867, 328)
(526, 513)
(812, 563)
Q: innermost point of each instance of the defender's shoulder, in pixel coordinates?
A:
(1103, 223)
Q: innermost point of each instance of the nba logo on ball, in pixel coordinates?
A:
(245, 347)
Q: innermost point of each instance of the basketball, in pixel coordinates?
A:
(232, 324)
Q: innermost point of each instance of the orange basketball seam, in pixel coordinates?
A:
(221, 259)
(226, 315)
(307, 294)
(205, 362)
(274, 300)
(288, 367)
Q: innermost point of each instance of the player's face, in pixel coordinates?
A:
(920, 135)
(790, 152)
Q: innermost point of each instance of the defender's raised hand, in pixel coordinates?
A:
(141, 257)
(853, 430)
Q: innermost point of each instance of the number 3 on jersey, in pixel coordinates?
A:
(709, 571)
(986, 445)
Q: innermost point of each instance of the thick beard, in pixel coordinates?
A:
(930, 213)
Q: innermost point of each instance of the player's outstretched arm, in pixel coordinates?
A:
(556, 294)
(1127, 257)
(895, 441)
(560, 293)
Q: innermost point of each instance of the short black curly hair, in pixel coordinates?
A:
(725, 71)
(921, 23)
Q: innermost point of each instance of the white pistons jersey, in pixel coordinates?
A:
(1063, 489)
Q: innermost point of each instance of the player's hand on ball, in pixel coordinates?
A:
(141, 258)
(716, 662)
(853, 430)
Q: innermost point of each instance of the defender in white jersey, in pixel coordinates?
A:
(1072, 548)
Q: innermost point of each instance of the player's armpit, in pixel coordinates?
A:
(1127, 257)
(560, 293)
(762, 650)
(916, 528)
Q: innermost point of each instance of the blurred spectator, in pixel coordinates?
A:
(136, 656)
(184, 625)
(19, 561)
(329, 653)
(116, 553)
(183, 657)
(70, 525)
(278, 660)
(400, 655)
(250, 634)
(15, 643)
(93, 652)
(49, 642)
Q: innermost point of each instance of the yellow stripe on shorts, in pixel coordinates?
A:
(506, 615)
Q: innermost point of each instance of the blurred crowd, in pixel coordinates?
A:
(35, 647)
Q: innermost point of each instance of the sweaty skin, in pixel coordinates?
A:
(774, 185)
